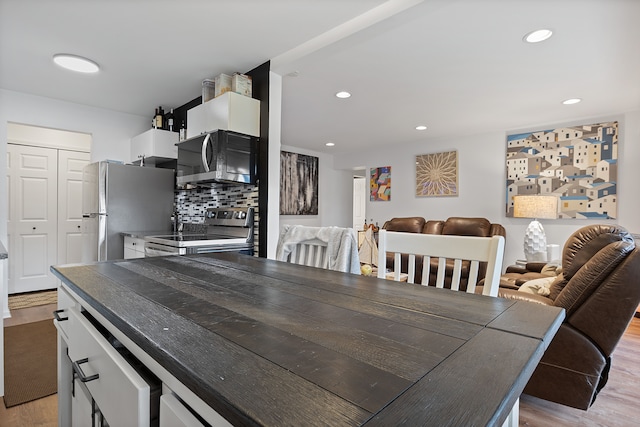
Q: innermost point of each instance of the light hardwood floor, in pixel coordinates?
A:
(616, 406)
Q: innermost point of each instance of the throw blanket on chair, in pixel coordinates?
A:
(342, 245)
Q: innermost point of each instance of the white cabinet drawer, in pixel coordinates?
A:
(174, 414)
(119, 391)
(65, 302)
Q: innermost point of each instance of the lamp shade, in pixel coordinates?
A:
(535, 241)
(540, 207)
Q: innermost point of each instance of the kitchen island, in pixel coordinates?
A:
(251, 341)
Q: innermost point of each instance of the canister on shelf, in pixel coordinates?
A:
(241, 83)
(208, 90)
(223, 84)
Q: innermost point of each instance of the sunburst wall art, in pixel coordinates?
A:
(437, 174)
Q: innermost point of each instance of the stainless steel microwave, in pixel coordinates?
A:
(218, 156)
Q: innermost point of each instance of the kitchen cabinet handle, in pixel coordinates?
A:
(56, 315)
(205, 163)
(78, 370)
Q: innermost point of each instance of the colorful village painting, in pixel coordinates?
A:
(380, 184)
(578, 164)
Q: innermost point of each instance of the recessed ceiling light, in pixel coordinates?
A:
(421, 127)
(537, 36)
(329, 144)
(571, 101)
(75, 63)
(343, 94)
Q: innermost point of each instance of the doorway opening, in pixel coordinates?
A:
(360, 191)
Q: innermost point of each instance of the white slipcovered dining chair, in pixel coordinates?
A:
(333, 248)
(458, 248)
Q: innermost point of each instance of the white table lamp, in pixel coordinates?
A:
(544, 207)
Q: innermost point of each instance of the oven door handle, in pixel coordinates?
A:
(205, 163)
(152, 249)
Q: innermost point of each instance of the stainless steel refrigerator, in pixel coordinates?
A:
(120, 198)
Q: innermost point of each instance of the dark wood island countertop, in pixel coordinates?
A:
(269, 343)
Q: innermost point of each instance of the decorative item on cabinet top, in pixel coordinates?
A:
(154, 146)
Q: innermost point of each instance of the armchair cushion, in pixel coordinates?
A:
(460, 226)
(516, 275)
(412, 224)
(538, 286)
(515, 294)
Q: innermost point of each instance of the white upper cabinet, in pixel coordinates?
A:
(154, 143)
(229, 111)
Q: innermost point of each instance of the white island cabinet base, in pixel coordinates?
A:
(132, 408)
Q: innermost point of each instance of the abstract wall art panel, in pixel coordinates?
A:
(577, 164)
(380, 184)
(298, 184)
(437, 174)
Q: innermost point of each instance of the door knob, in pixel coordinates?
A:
(34, 228)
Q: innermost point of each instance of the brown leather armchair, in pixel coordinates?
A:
(459, 226)
(599, 288)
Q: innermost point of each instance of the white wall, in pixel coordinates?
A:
(110, 130)
(482, 183)
(335, 194)
(481, 164)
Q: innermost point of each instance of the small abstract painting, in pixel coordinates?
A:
(380, 184)
(576, 164)
(298, 184)
(437, 174)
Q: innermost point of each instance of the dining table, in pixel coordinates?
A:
(271, 343)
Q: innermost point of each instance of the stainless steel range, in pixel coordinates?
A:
(228, 229)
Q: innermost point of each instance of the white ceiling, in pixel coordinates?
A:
(458, 66)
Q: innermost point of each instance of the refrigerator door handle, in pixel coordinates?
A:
(205, 163)
(102, 238)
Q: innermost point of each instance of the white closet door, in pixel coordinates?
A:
(33, 176)
(70, 165)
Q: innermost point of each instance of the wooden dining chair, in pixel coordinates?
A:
(333, 248)
(310, 252)
(460, 249)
